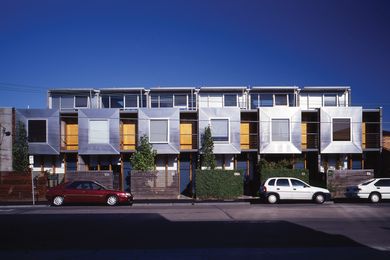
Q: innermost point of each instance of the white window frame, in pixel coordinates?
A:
(223, 99)
(74, 101)
(330, 94)
(221, 118)
(89, 130)
(280, 94)
(168, 130)
(124, 101)
(350, 128)
(47, 130)
(174, 103)
(289, 129)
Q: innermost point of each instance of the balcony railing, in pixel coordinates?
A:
(249, 141)
(128, 142)
(188, 141)
(70, 142)
(371, 140)
(309, 141)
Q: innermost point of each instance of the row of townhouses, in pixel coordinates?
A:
(97, 129)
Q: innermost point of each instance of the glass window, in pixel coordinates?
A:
(166, 100)
(81, 101)
(67, 102)
(154, 100)
(255, 101)
(341, 129)
(330, 100)
(297, 183)
(281, 100)
(266, 100)
(282, 182)
(230, 100)
(220, 129)
(116, 101)
(55, 102)
(98, 132)
(37, 131)
(382, 183)
(291, 100)
(280, 130)
(106, 101)
(131, 100)
(158, 131)
(95, 186)
(271, 182)
(180, 100)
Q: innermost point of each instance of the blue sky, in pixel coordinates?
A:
(49, 44)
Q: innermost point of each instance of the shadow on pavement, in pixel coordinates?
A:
(152, 231)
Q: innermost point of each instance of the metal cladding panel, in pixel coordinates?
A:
(52, 145)
(330, 146)
(267, 146)
(112, 116)
(234, 116)
(173, 116)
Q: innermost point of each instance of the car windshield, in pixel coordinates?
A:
(367, 182)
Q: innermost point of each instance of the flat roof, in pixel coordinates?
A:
(325, 88)
(218, 88)
(274, 87)
(69, 90)
(161, 88)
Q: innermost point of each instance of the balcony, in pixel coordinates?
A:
(309, 141)
(70, 142)
(188, 136)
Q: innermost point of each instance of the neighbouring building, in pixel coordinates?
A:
(98, 129)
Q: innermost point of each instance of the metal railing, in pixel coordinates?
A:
(311, 141)
(188, 141)
(70, 142)
(128, 141)
(371, 140)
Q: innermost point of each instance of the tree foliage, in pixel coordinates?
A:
(20, 161)
(143, 158)
(208, 157)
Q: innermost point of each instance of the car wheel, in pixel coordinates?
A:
(319, 198)
(375, 197)
(58, 200)
(272, 199)
(112, 200)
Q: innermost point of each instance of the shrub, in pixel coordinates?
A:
(143, 158)
(283, 172)
(208, 157)
(218, 184)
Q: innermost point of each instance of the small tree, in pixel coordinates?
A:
(143, 158)
(208, 157)
(20, 161)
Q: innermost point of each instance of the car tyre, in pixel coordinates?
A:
(319, 198)
(58, 201)
(112, 200)
(272, 199)
(375, 197)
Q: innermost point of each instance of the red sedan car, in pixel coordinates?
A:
(86, 192)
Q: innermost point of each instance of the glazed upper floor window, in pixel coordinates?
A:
(280, 130)
(123, 101)
(269, 100)
(37, 131)
(220, 129)
(341, 129)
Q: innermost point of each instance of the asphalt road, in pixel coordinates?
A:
(200, 231)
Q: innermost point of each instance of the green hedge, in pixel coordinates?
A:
(218, 184)
(295, 173)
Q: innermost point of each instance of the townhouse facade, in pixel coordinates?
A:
(98, 129)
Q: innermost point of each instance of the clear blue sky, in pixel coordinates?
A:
(48, 44)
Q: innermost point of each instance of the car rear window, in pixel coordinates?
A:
(271, 182)
(282, 182)
(367, 182)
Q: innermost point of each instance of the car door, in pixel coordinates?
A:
(98, 193)
(283, 188)
(300, 190)
(75, 192)
(383, 186)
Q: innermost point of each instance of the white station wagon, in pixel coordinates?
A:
(373, 189)
(286, 188)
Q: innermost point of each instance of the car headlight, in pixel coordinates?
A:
(128, 194)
